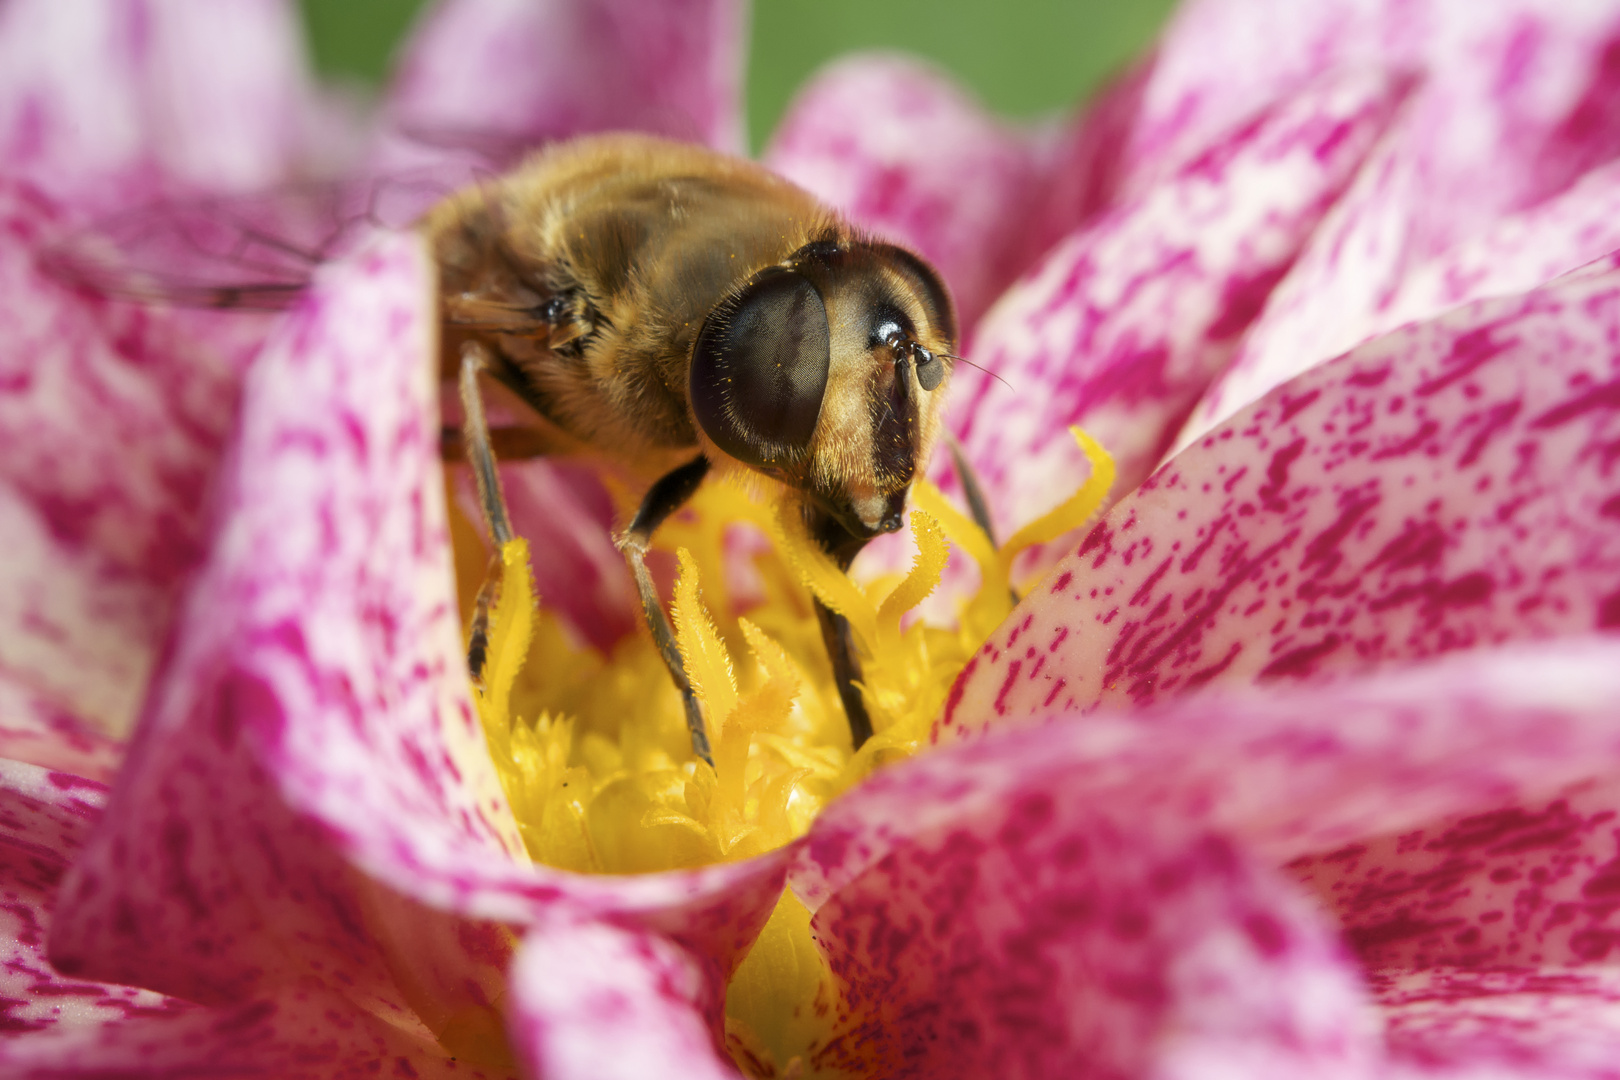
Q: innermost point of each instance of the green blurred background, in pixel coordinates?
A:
(1023, 57)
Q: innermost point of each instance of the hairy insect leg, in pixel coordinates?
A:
(841, 547)
(668, 495)
(481, 456)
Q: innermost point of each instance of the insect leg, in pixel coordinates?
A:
(842, 547)
(978, 505)
(665, 497)
(475, 438)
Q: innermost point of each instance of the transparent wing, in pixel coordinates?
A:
(253, 251)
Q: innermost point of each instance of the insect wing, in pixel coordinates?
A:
(252, 251)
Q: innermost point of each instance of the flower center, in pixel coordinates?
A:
(594, 753)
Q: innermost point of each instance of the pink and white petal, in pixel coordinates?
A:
(1444, 487)
(1513, 108)
(1520, 80)
(1047, 936)
(1302, 776)
(111, 418)
(61, 1026)
(904, 152)
(1519, 253)
(1542, 1022)
(44, 817)
(305, 1033)
(1123, 325)
(1289, 772)
(103, 103)
(591, 1001)
(504, 74)
(1086, 157)
(313, 710)
(35, 731)
(1529, 883)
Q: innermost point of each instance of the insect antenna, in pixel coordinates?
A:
(981, 367)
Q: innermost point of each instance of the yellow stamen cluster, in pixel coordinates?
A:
(593, 750)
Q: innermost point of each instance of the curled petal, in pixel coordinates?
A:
(1444, 487)
(1302, 777)
(100, 103)
(906, 153)
(483, 72)
(313, 712)
(1123, 325)
(592, 1001)
(1288, 772)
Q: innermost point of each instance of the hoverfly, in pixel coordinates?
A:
(684, 312)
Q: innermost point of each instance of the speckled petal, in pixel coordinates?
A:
(905, 152)
(1123, 325)
(1433, 757)
(1520, 252)
(103, 102)
(1519, 88)
(591, 1001)
(1039, 933)
(314, 709)
(1546, 1021)
(1445, 487)
(62, 1026)
(111, 423)
(487, 72)
(1515, 102)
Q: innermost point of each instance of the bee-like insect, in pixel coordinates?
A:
(658, 304)
(664, 304)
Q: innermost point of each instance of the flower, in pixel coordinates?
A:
(1375, 841)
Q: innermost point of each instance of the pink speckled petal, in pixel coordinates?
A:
(906, 153)
(111, 423)
(1433, 758)
(314, 706)
(1526, 883)
(1445, 487)
(486, 72)
(1123, 325)
(1520, 91)
(36, 731)
(66, 1027)
(590, 1001)
(1502, 1021)
(1291, 771)
(103, 102)
(1516, 103)
(1519, 253)
(1040, 933)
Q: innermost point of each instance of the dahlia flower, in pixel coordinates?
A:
(1301, 760)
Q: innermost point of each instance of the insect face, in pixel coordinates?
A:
(823, 372)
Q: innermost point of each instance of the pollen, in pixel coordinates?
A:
(593, 752)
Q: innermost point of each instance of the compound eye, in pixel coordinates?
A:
(759, 370)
